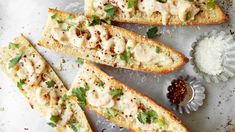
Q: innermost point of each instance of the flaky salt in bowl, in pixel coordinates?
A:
(213, 56)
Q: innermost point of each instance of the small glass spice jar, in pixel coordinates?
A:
(186, 94)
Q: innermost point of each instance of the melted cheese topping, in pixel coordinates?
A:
(184, 9)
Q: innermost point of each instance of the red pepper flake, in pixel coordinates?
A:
(177, 91)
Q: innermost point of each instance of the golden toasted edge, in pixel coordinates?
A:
(222, 18)
(89, 65)
(56, 46)
(56, 78)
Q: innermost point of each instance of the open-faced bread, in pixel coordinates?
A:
(78, 36)
(161, 12)
(121, 104)
(41, 86)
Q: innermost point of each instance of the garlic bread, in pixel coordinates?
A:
(89, 39)
(41, 86)
(120, 104)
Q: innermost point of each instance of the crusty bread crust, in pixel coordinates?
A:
(48, 42)
(114, 82)
(6, 53)
(206, 16)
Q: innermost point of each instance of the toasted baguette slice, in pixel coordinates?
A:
(121, 104)
(41, 86)
(109, 45)
(201, 13)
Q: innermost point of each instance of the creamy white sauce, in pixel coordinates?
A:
(59, 35)
(179, 8)
(40, 96)
(32, 69)
(146, 127)
(77, 41)
(147, 54)
(66, 116)
(120, 45)
(105, 55)
(100, 98)
(108, 44)
(130, 44)
(128, 105)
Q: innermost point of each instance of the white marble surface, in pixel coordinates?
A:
(29, 16)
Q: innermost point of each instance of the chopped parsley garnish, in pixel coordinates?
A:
(100, 84)
(54, 119)
(20, 83)
(67, 28)
(86, 86)
(110, 112)
(55, 17)
(131, 3)
(65, 97)
(211, 4)
(80, 93)
(153, 32)
(15, 60)
(74, 127)
(13, 45)
(51, 124)
(107, 21)
(94, 20)
(63, 60)
(110, 10)
(162, 1)
(147, 117)
(190, 0)
(160, 122)
(158, 49)
(50, 84)
(188, 16)
(126, 56)
(80, 61)
(115, 92)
